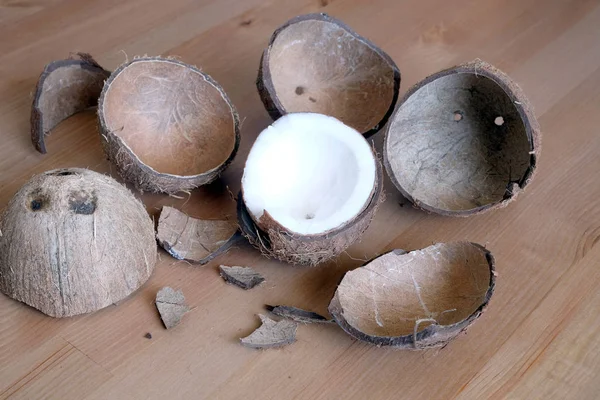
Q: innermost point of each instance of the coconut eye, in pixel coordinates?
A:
(82, 203)
(36, 204)
(38, 201)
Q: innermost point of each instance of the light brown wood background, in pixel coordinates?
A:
(540, 337)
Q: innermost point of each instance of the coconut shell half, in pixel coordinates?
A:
(463, 141)
(64, 88)
(316, 63)
(167, 126)
(278, 242)
(416, 300)
(74, 241)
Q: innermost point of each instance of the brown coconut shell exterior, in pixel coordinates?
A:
(525, 111)
(142, 176)
(74, 241)
(430, 337)
(264, 81)
(85, 78)
(274, 240)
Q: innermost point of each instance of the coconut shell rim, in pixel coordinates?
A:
(519, 100)
(264, 81)
(408, 341)
(85, 61)
(146, 168)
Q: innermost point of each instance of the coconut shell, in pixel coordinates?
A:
(192, 239)
(167, 126)
(462, 141)
(298, 315)
(416, 300)
(271, 334)
(317, 63)
(74, 241)
(242, 277)
(274, 240)
(64, 88)
(171, 306)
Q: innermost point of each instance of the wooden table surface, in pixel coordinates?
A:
(540, 337)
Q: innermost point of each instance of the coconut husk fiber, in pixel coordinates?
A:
(316, 63)
(74, 241)
(416, 300)
(274, 240)
(64, 88)
(463, 141)
(192, 239)
(167, 126)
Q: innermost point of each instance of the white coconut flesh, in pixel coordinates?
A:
(310, 172)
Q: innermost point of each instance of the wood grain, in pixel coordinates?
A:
(540, 336)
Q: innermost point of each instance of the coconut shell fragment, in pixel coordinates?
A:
(316, 63)
(171, 306)
(167, 126)
(74, 241)
(298, 314)
(271, 334)
(194, 240)
(243, 277)
(64, 88)
(462, 141)
(416, 300)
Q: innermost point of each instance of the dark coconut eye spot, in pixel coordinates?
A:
(36, 205)
(38, 201)
(82, 203)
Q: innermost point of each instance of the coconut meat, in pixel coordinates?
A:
(310, 172)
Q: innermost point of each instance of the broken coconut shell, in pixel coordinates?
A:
(74, 241)
(416, 300)
(317, 63)
(298, 314)
(192, 239)
(171, 306)
(64, 88)
(327, 176)
(463, 141)
(271, 334)
(243, 277)
(167, 126)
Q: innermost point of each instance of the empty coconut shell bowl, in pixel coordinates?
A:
(460, 142)
(167, 126)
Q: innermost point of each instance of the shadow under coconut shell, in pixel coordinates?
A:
(419, 299)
